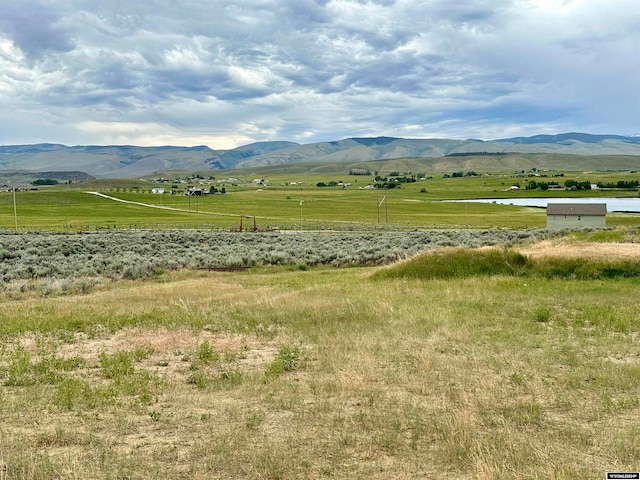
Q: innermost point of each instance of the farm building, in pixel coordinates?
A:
(576, 215)
(157, 190)
(190, 191)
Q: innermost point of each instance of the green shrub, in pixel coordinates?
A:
(116, 366)
(288, 359)
(542, 314)
(206, 353)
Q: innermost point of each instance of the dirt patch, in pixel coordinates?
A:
(165, 352)
(624, 359)
(161, 341)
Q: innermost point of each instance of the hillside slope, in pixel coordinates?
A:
(131, 161)
(448, 164)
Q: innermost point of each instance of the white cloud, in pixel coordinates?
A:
(151, 134)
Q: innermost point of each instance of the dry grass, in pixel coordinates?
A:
(574, 249)
(324, 373)
(610, 245)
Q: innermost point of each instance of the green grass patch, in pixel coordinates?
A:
(617, 235)
(465, 263)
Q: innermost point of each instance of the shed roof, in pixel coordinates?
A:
(597, 209)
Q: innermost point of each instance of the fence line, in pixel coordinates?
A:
(88, 228)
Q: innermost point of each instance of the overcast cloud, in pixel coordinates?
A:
(223, 74)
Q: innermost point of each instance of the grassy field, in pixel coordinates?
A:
(278, 204)
(121, 356)
(278, 373)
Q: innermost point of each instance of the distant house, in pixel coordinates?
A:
(576, 215)
(157, 190)
(514, 187)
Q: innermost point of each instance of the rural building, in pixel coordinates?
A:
(157, 190)
(576, 215)
(190, 191)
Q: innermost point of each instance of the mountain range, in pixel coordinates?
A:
(126, 161)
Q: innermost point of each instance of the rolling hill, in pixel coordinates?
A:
(127, 161)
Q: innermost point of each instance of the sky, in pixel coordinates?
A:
(229, 73)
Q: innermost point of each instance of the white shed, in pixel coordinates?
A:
(576, 215)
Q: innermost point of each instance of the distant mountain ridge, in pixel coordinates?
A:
(569, 137)
(125, 161)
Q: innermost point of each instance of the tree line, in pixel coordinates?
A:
(583, 185)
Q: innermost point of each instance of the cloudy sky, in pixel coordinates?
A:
(228, 73)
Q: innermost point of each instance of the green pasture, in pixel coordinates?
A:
(74, 209)
(279, 204)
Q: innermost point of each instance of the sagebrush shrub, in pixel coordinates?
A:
(141, 254)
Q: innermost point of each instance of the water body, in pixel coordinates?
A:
(614, 204)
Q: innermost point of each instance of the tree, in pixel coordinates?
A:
(45, 181)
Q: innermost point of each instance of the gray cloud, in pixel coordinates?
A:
(308, 70)
(34, 27)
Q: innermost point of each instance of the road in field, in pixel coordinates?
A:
(162, 207)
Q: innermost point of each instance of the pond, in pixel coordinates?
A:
(614, 204)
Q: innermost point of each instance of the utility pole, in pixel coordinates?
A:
(301, 202)
(15, 210)
(386, 208)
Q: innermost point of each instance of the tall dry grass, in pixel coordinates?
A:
(323, 373)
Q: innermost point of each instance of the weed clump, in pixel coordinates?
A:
(117, 365)
(206, 353)
(288, 359)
